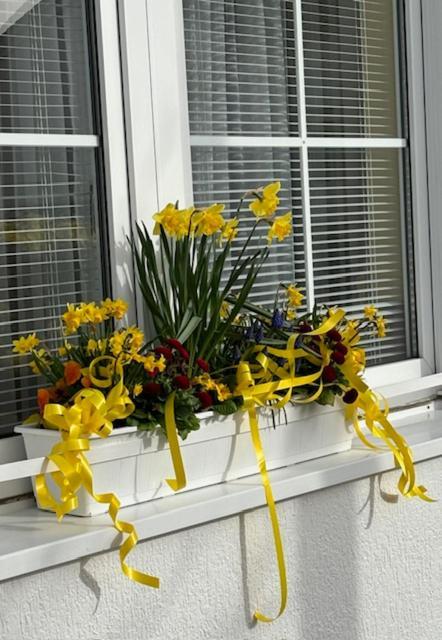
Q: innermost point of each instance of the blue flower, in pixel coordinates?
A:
(277, 319)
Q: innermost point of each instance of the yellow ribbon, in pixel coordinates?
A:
(180, 481)
(91, 413)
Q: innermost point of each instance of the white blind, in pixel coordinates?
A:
(244, 65)
(49, 239)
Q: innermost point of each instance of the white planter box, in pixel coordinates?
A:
(135, 464)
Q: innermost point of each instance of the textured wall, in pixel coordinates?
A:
(360, 568)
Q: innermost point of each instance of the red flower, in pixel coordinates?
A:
(202, 364)
(72, 372)
(164, 351)
(334, 334)
(182, 382)
(338, 357)
(341, 347)
(176, 344)
(304, 328)
(350, 396)
(205, 398)
(152, 389)
(329, 373)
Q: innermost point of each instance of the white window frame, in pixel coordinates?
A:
(147, 152)
(157, 29)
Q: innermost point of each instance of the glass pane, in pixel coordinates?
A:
(350, 59)
(49, 255)
(44, 67)
(223, 175)
(360, 238)
(240, 58)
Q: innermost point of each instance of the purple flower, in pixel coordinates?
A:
(258, 331)
(277, 319)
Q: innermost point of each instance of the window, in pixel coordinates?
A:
(311, 93)
(49, 197)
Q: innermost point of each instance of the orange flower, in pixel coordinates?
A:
(43, 398)
(72, 372)
(86, 382)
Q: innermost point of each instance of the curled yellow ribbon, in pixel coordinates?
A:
(91, 413)
(180, 481)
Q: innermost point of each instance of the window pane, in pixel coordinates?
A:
(44, 67)
(240, 58)
(350, 67)
(360, 242)
(224, 174)
(48, 255)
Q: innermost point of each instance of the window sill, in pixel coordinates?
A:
(32, 540)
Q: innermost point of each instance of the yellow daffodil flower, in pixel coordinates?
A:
(160, 364)
(370, 311)
(138, 388)
(72, 318)
(222, 392)
(290, 314)
(224, 311)
(266, 205)
(281, 227)
(295, 297)
(206, 382)
(149, 363)
(210, 220)
(175, 222)
(230, 230)
(114, 308)
(25, 344)
(381, 326)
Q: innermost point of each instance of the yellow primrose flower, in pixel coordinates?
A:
(291, 314)
(206, 382)
(295, 297)
(281, 227)
(381, 326)
(370, 311)
(138, 388)
(222, 391)
(136, 339)
(266, 205)
(210, 220)
(160, 364)
(25, 344)
(230, 230)
(149, 363)
(72, 318)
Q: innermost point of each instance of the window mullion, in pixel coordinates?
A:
(304, 164)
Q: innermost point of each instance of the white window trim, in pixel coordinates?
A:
(147, 152)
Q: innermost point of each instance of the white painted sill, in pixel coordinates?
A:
(32, 540)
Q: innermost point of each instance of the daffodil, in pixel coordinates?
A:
(138, 388)
(114, 308)
(224, 311)
(290, 314)
(370, 311)
(280, 228)
(294, 296)
(210, 220)
(206, 381)
(381, 326)
(149, 363)
(267, 202)
(177, 223)
(230, 230)
(72, 318)
(25, 344)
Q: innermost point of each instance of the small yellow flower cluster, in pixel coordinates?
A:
(25, 344)
(150, 363)
(294, 300)
(91, 313)
(372, 314)
(265, 205)
(209, 384)
(127, 341)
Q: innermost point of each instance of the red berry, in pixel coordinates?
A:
(304, 328)
(341, 347)
(205, 398)
(202, 364)
(329, 373)
(338, 357)
(164, 351)
(152, 389)
(182, 382)
(350, 396)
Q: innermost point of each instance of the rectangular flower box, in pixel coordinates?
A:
(135, 464)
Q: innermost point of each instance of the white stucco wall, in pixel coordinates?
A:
(360, 568)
